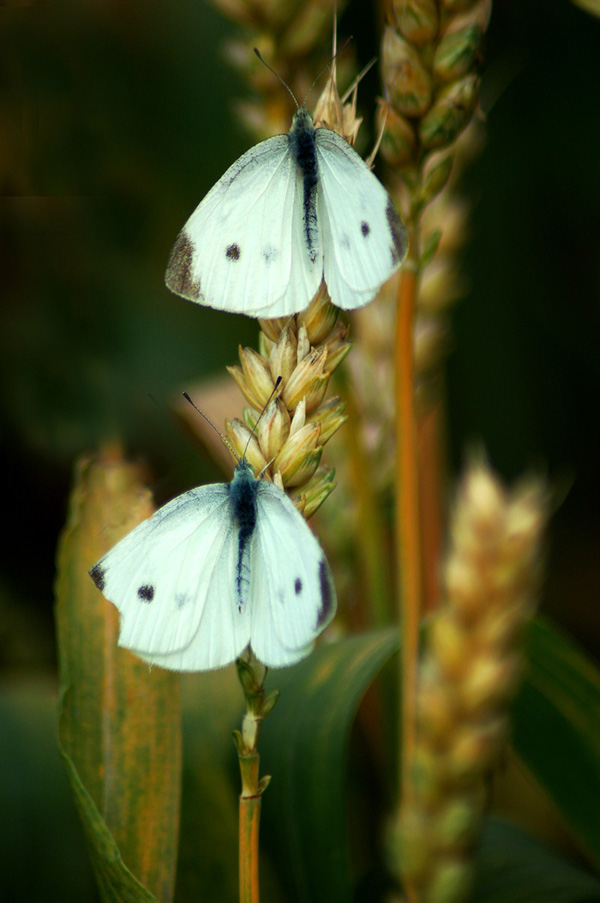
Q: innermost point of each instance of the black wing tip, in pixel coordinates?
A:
(328, 597)
(398, 232)
(178, 275)
(98, 574)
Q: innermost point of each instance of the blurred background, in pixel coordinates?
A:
(115, 121)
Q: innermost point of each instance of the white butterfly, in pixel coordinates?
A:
(216, 569)
(294, 210)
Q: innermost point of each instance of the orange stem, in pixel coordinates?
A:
(249, 824)
(408, 531)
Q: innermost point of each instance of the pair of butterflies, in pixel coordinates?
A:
(234, 564)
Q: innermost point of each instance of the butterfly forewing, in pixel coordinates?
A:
(237, 250)
(161, 575)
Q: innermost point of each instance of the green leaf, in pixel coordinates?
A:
(557, 728)
(513, 867)
(119, 722)
(304, 747)
(115, 881)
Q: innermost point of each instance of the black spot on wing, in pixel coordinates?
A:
(297, 586)
(178, 276)
(399, 245)
(365, 229)
(98, 574)
(146, 592)
(327, 606)
(233, 252)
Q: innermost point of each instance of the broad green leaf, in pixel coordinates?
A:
(513, 867)
(304, 747)
(119, 721)
(557, 728)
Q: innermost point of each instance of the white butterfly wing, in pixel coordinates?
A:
(173, 580)
(241, 249)
(292, 596)
(364, 240)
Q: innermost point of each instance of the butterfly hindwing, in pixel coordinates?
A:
(364, 240)
(292, 594)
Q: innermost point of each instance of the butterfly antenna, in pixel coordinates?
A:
(327, 65)
(267, 403)
(285, 84)
(224, 439)
(277, 76)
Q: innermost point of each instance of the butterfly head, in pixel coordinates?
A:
(302, 121)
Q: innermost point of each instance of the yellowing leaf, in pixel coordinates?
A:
(119, 721)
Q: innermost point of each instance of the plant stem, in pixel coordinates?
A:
(251, 675)
(408, 524)
(249, 824)
(408, 530)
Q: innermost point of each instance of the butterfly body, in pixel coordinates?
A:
(216, 569)
(242, 497)
(304, 150)
(293, 211)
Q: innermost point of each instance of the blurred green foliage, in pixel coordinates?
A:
(306, 829)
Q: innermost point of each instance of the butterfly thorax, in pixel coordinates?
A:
(242, 496)
(303, 147)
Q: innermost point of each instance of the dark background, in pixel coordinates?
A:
(115, 121)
